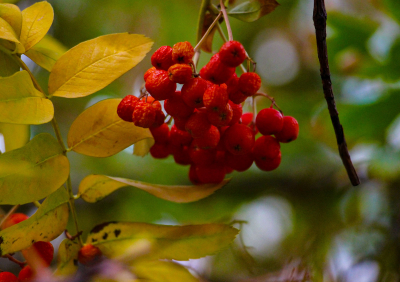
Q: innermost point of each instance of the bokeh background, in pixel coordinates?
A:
(303, 219)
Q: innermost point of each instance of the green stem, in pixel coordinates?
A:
(200, 22)
(58, 134)
(73, 210)
(25, 67)
(228, 26)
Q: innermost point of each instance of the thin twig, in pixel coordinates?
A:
(207, 32)
(228, 26)
(11, 258)
(10, 212)
(319, 17)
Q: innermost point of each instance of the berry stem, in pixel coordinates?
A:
(207, 32)
(254, 108)
(228, 26)
(11, 258)
(10, 212)
(270, 98)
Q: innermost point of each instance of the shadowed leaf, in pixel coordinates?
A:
(8, 37)
(12, 14)
(142, 148)
(252, 10)
(67, 257)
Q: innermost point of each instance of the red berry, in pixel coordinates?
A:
(215, 98)
(269, 164)
(247, 119)
(159, 85)
(236, 111)
(8, 277)
(180, 137)
(159, 119)
(162, 58)
(26, 274)
(239, 162)
(215, 71)
(39, 255)
(193, 175)
(182, 53)
(148, 72)
(159, 151)
(126, 107)
(180, 73)
(201, 156)
(239, 139)
(144, 115)
(249, 83)
(290, 130)
(193, 91)
(237, 97)
(181, 155)
(210, 139)
(150, 100)
(88, 253)
(221, 118)
(266, 147)
(198, 124)
(161, 134)
(269, 121)
(180, 123)
(176, 107)
(212, 173)
(232, 53)
(14, 219)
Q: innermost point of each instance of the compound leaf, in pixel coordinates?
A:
(252, 10)
(32, 172)
(49, 221)
(100, 132)
(93, 64)
(95, 187)
(168, 242)
(67, 257)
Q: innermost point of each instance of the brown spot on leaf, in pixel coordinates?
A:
(100, 227)
(105, 236)
(117, 232)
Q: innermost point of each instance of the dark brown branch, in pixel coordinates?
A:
(319, 18)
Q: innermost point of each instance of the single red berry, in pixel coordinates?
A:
(290, 130)
(39, 255)
(159, 150)
(8, 277)
(161, 134)
(234, 93)
(150, 100)
(26, 274)
(198, 124)
(269, 121)
(269, 164)
(221, 118)
(181, 155)
(88, 253)
(148, 72)
(237, 97)
(162, 58)
(212, 173)
(237, 111)
(144, 115)
(159, 119)
(159, 85)
(180, 123)
(221, 144)
(215, 98)
(210, 139)
(126, 107)
(182, 53)
(215, 71)
(249, 83)
(176, 107)
(180, 137)
(201, 156)
(193, 175)
(193, 91)
(14, 219)
(266, 147)
(232, 53)
(180, 73)
(239, 162)
(239, 139)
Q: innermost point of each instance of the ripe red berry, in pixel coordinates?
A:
(144, 115)
(181, 155)
(239, 162)
(210, 139)
(180, 73)
(148, 72)
(201, 156)
(126, 107)
(161, 134)
(232, 53)
(159, 85)
(249, 83)
(8, 277)
(88, 253)
(269, 164)
(266, 147)
(247, 119)
(215, 71)
(221, 118)
(159, 151)
(237, 112)
(176, 107)
(193, 91)
(39, 255)
(180, 123)
(14, 219)
(26, 274)
(150, 100)
(159, 119)
(182, 53)
(215, 98)
(290, 130)
(212, 173)
(239, 139)
(180, 137)
(193, 175)
(162, 58)
(198, 124)
(269, 121)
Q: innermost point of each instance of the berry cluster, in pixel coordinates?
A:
(210, 131)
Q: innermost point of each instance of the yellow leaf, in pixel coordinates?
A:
(46, 52)
(12, 14)
(95, 187)
(142, 148)
(67, 258)
(32, 172)
(7, 65)
(21, 103)
(99, 132)
(9, 38)
(168, 242)
(15, 135)
(93, 64)
(49, 221)
(36, 22)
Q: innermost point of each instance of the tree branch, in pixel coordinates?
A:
(319, 17)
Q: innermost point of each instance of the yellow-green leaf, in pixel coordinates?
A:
(9, 38)
(162, 271)
(93, 64)
(168, 242)
(36, 22)
(95, 187)
(7, 65)
(252, 10)
(142, 148)
(46, 52)
(49, 221)
(67, 258)
(99, 132)
(15, 135)
(32, 172)
(12, 14)
(21, 103)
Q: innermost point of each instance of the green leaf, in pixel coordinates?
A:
(49, 221)
(46, 52)
(15, 135)
(21, 102)
(32, 172)
(252, 10)
(168, 242)
(93, 188)
(93, 64)
(67, 257)
(162, 271)
(393, 8)
(99, 131)
(142, 148)
(12, 14)
(36, 22)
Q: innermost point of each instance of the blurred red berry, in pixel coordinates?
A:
(26, 274)
(14, 219)
(176, 107)
(269, 164)
(198, 124)
(8, 277)
(88, 253)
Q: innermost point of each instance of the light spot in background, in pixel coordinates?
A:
(277, 58)
(362, 152)
(70, 8)
(393, 134)
(382, 40)
(367, 271)
(360, 92)
(2, 144)
(97, 99)
(269, 222)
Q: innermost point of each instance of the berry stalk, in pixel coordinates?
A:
(11, 211)
(228, 26)
(199, 43)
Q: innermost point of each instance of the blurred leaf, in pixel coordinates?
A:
(252, 10)
(36, 22)
(46, 52)
(142, 148)
(99, 131)
(7, 33)
(168, 242)
(49, 221)
(32, 172)
(93, 188)
(67, 257)
(162, 271)
(12, 14)
(207, 45)
(15, 135)
(93, 64)
(21, 103)
(393, 8)
(7, 65)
